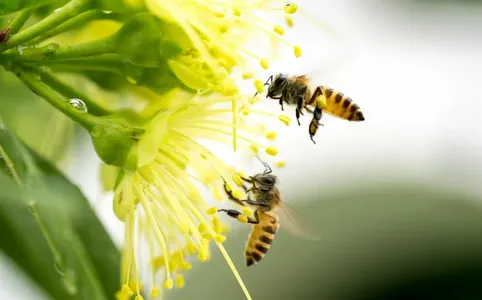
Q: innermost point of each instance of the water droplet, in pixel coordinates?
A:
(57, 10)
(58, 266)
(78, 104)
(20, 49)
(30, 206)
(68, 281)
(107, 12)
(131, 80)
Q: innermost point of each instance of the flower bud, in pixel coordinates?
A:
(142, 42)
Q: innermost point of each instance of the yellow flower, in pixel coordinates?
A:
(164, 201)
(213, 36)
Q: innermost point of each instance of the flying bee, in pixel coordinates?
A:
(297, 90)
(268, 207)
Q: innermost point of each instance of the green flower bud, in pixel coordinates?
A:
(142, 42)
(116, 142)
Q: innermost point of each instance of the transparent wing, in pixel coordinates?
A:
(291, 221)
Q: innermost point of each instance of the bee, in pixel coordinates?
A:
(268, 207)
(297, 90)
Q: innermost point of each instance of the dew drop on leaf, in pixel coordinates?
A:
(58, 266)
(78, 104)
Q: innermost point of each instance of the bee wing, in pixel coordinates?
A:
(291, 221)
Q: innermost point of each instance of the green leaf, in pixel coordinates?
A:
(49, 229)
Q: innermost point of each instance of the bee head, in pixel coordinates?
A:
(265, 181)
(276, 87)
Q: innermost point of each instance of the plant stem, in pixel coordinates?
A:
(89, 64)
(63, 14)
(38, 87)
(79, 20)
(54, 52)
(68, 91)
(20, 19)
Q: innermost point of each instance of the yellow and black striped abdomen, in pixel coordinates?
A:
(261, 238)
(341, 106)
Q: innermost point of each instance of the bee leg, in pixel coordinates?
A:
(255, 203)
(230, 195)
(281, 103)
(298, 117)
(312, 139)
(308, 109)
(234, 214)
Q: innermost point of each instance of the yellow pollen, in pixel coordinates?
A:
(259, 85)
(186, 266)
(237, 12)
(219, 238)
(241, 174)
(247, 211)
(219, 14)
(154, 292)
(272, 151)
(168, 284)
(202, 228)
(280, 163)
(238, 180)
(245, 109)
(271, 135)
(157, 262)
(231, 169)
(290, 8)
(191, 248)
(254, 148)
(238, 194)
(297, 51)
(228, 187)
(289, 21)
(223, 29)
(285, 119)
(252, 100)
(211, 211)
(321, 102)
(264, 63)
(127, 290)
(247, 75)
(217, 194)
(179, 281)
(243, 219)
(279, 30)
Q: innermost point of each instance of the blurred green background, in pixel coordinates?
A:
(396, 200)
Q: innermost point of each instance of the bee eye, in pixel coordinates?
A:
(280, 80)
(268, 180)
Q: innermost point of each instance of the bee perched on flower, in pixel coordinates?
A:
(158, 93)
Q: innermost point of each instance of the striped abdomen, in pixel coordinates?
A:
(341, 106)
(261, 238)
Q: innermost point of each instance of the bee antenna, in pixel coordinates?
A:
(265, 164)
(268, 82)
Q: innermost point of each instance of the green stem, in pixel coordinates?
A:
(20, 19)
(54, 52)
(31, 80)
(68, 91)
(63, 14)
(79, 20)
(89, 64)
